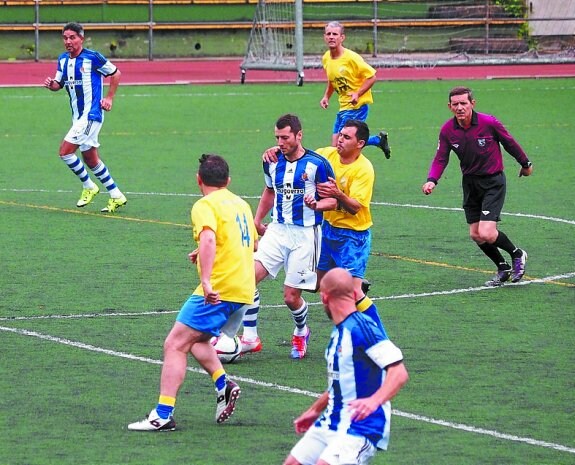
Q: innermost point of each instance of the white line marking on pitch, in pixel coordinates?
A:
(279, 387)
(374, 203)
(390, 297)
(295, 390)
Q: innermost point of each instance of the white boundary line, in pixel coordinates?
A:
(291, 390)
(431, 207)
(391, 297)
(385, 204)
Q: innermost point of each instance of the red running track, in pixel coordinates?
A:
(221, 71)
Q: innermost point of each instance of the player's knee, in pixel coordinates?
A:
(292, 298)
(474, 236)
(487, 235)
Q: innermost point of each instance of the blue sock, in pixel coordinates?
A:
(373, 140)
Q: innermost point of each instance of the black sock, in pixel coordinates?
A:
(494, 255)
(504, 243)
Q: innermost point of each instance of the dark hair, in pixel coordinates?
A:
(289, 120)
(76, 27)
(461, 91)
(362, 130)
(214, 170)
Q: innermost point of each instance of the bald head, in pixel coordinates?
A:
(337, 294)
(337, 283)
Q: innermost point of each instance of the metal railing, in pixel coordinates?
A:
(487, 22)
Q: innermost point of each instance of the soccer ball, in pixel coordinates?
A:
(229, 349)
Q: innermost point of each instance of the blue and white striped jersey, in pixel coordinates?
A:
(291, 181)
(357, 355)
(83, 79)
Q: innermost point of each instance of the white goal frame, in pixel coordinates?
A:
(276, 38)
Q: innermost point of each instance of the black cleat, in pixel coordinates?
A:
(365, 285)
(384, 144)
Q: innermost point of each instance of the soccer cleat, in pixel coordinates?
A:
(226, 402)
(500, 277)
(153, 423)
(384, 144)
(87, 196)
(114, 204)
(251, 346)
(299, 345)
(519, 267)
(365, 285)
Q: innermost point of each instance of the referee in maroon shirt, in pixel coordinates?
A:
(476, 139)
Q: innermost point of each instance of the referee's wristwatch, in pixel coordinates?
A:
(527, 165)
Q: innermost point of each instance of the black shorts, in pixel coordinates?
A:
(483, 197)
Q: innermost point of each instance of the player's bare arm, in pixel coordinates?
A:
(324, 102)
(271, 155)
(367, 84)
(330, 189)
(108, 100)
(320, 205)
(51, 84)
(307, 418)
(265, 205)
(395, 379)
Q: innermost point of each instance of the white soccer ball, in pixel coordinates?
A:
(229, 349)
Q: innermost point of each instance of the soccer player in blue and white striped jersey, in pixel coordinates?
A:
(351, 420)
(292, 240)
(81, 72)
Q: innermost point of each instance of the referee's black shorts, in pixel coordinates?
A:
(483, 197)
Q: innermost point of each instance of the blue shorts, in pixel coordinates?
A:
(208, 318)
(344, 248)
(344, 115)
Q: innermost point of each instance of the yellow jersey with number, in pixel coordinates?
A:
(346, 74)
(231, 219)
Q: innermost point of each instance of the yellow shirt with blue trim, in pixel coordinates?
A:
(231, 219)
(355, 180)
(346, 74)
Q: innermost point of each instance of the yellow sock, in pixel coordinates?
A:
(167, 400)
(363, 304)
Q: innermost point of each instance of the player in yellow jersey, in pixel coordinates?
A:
(346, 229)
(223, 227)
(352, 79)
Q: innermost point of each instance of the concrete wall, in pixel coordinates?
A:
(552, 9)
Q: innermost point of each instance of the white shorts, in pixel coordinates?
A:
(296, 249)
(84, 133)
(333, 448)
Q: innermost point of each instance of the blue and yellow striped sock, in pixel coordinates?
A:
(366, 305)
(165, 406)
(219, 379)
